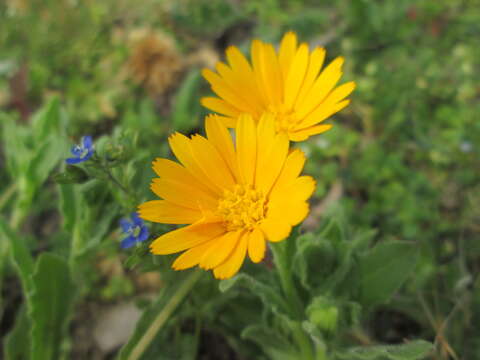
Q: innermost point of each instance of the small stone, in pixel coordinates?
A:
(115, 326)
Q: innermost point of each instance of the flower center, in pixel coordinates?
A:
(136, 231)
(285, 119)
(80, 151)
(83, 153)
(242, 208)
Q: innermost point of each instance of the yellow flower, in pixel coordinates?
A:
(287, 84)
(235, 197)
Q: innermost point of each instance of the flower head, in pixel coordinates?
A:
(136, 230)
(81, 152)
(155, 62)
(289, 84)
(234, 197)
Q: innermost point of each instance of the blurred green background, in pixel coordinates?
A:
(402, 159)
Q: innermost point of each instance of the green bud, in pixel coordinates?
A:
(323, 314)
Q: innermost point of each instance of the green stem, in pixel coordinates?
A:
(164, 315)
(114, 180)
(280, 258)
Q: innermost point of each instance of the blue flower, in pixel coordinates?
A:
(136, 231)
(81, 152)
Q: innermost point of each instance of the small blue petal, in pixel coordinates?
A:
(87, 142)
(136, 219)
(126, 225)
(72, 161)
(143, 234)
(128, 242)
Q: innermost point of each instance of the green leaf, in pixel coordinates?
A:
(68, 206)
(47, 120)
(383, 269)
(186, 105)
(414, 350)
(21, 257)
(50, 306)
(17, 342)
(46, 158)
(17, 154)
(270, 296)
(271, 342)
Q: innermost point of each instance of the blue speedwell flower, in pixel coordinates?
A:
(81, 152)
(135, 229)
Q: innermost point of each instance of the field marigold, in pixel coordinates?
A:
(235, 197)
(289, 85)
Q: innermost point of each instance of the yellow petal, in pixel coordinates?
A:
(275, 229)
(256, 245)
(289, 210)
(228, 121)
(288, 47)
(266, 136)
(314, 65)
(340, 92)
(272, 163)
(299, 189)
(272, 76)
(257, 54)
(223, 90)
(233, 263)
(165, 212)
(220, 106)
(238, 62)
(296, 75)
(323, 112)
(192, 257)
(291, 169)
(240, 66)
(186, 238)
(221, 250)
(182, 194)
(174, 171)
(212, 163)
(240, 86)
(246, 148)
(180, 146)
(321, 88)
(304, 134)
(220, 137)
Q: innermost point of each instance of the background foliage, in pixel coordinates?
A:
(385, 266)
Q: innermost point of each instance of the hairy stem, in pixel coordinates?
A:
(280, 257)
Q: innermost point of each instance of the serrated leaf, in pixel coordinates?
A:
(274, 345)
(414, 350)
(269, 295)
(314, 260)
(50, 306)
(17, 342)
(383, 269)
